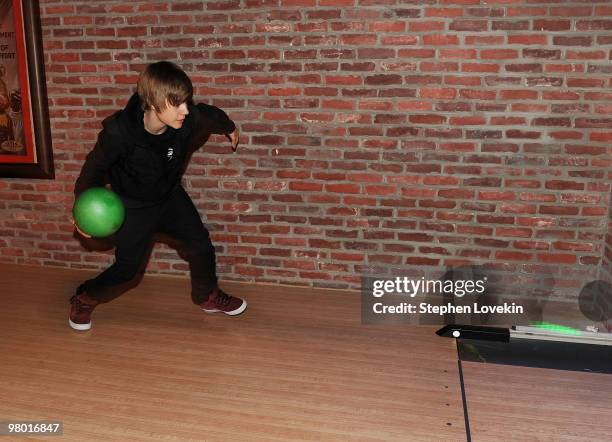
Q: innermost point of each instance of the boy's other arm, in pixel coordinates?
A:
(105, 153)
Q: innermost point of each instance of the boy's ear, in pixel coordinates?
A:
(165, 106)
(156, 108)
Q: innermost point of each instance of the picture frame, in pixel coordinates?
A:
(25, 136)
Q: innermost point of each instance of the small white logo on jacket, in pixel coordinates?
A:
(170, 153)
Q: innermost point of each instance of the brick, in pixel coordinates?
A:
(193, 6)
(443, 12)
(440, 204)
(480, 67)
(416, 53)
(398, 40)
(558, 258)
(564, 245)
(458, 147)
(558, 210)
(489, 242)
(483, 182)
(523, 134)
(343, 188)
(524, 67)
(594, 211)
(440, 93)
(564, 185)
(440, 40)
(526, 40)
(383, 79)
(375, 53)
(551, 25)
(496, 195)
(518, 95)
(415, 192)
(305, 186)
(386, 26)
(354, 257)
(513, 256)
(456, 193)
(513, 232)
(422, 261)
(593, 25)
(498, 54)
(495, 219)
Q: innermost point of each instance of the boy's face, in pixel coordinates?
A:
(173, 116)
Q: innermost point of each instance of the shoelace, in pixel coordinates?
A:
(80, 305)
(222, 298)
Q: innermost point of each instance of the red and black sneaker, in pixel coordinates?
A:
(81, 309)
(219, 301)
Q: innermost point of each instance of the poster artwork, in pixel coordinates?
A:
(12, 138)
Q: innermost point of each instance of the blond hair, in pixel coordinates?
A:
(163, 81)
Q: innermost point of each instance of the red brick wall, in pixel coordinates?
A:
(375, 132)
(606, 272)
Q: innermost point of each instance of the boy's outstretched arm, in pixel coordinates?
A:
(235, 139)
(215, 121)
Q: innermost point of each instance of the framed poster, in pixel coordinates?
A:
(25, 137)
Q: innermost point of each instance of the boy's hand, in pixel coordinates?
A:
(83, 234)
(234, 138)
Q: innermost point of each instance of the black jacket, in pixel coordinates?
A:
(141, 172)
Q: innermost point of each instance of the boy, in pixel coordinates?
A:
(142, 152)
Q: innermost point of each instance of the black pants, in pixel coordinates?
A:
(176, 217)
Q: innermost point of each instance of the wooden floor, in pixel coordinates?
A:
(298, 365)
(521, 404)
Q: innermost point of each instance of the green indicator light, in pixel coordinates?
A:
(557, 328)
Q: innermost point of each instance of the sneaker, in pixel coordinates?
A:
(219, 301)
(81, 309)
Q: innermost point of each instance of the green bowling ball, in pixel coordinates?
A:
(98, 212)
